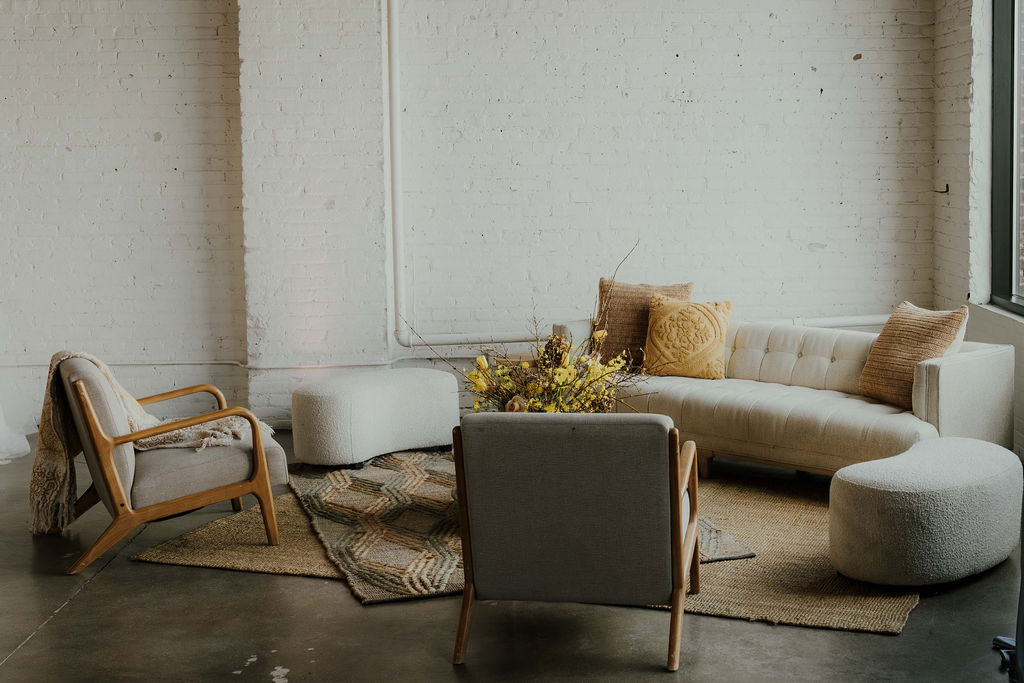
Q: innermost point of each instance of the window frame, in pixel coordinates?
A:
(1005, 173)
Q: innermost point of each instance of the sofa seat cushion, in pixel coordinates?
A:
(164, 474)
(791, 424)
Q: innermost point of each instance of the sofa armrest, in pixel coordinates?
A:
(576, 330)
(968, 393)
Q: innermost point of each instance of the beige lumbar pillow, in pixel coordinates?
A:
(686, 339)
(623, 311)
(910, 336)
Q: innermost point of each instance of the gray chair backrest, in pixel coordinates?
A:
(111, 417)
(569, 507)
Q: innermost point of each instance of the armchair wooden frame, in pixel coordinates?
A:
(126, 518)
(685, 541)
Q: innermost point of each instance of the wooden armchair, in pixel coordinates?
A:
(141, 486)
(576, 507)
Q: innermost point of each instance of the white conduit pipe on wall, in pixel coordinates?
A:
(403, 332)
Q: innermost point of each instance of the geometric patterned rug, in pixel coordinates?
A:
(389, 530)
(391, 527)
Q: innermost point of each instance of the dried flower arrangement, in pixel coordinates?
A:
(562, 377)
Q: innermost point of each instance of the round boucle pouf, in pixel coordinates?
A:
(355, 417)
(945, 509)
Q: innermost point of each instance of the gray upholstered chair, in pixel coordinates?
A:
(576, 508)
(142, 486)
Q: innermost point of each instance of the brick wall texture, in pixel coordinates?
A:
(205, 184)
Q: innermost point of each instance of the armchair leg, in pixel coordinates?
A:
(237, 504)
(86, 500)
(118, 529)
(465, 618)
(675, 630)
(266, 501)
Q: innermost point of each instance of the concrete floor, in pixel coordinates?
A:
(124, 620)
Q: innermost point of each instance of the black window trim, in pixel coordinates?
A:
(1004, 269)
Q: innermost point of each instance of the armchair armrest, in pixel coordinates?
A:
(968, 393)
(576, 330)
(185, 391)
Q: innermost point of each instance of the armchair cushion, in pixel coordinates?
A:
(111, 417)
(164, 474)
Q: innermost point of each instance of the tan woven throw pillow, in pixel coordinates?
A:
(687, 339)
(623, 311)
(910, 336)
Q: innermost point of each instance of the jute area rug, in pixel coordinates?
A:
(390, 530)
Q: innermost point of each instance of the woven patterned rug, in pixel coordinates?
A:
(392, 526)
(389, 530)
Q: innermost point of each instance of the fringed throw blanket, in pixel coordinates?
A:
(53, 490)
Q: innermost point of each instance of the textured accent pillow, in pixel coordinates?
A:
(687, 339)
(623, 311)
(910, 335)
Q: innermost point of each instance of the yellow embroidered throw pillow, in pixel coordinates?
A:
(686, 339)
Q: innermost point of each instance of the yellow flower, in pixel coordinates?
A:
(550, 408)
(476, 405)
(478, 380)
(600, 334)
(526, 366)
(481, 362)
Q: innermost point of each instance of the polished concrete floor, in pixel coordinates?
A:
(124, 620)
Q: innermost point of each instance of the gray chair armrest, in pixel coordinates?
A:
(968, 393)
(576, 330)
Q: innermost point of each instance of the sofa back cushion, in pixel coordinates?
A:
(815, 357)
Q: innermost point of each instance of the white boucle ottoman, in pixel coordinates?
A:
(945, 509)
(355, 417)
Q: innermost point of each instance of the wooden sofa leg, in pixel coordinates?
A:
(237, 505)
(704, 458)
(695, 566)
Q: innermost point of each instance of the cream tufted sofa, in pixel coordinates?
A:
(790, 398)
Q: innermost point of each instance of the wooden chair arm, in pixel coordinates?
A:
(167, 395)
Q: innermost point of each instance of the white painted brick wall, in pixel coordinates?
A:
(953, 52)
(120, 181)
(539, 140)
(313, 151)
(780, 157)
